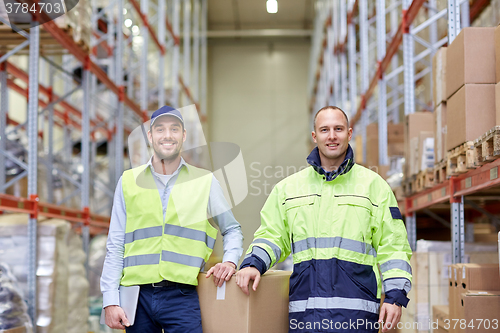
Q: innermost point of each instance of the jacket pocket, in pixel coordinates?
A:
(299, 212)
(355, 214)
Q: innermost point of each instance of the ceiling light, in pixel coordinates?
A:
(135, 30)
(124, 11)
(128, 23)
(272, 6)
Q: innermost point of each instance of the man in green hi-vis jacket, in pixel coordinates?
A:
(341, 223)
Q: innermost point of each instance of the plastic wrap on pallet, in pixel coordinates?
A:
(13, 309)
(78, 287)
(52, 266)
(97, 253)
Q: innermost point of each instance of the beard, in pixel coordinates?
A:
(167, 156)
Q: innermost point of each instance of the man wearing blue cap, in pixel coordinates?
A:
(160, 236)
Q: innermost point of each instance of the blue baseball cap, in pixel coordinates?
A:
(166, 111)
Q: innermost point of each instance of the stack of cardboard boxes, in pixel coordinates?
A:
(470, 86)
(466, 96)
(474, 301)
(430, 283)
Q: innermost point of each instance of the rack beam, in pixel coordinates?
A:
(67, 42)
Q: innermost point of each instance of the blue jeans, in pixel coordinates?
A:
(175, 309)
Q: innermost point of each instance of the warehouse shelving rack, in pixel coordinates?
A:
(339, 65)
(160, 24)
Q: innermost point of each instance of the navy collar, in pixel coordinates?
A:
(314, 160)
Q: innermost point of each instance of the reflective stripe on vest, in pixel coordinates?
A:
(330, 242)
(152, 259)
(182, 259)
(334, 303)
(173, 230)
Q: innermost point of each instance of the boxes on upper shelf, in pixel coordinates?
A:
(470, 58)
(395, 142)
(470, 113)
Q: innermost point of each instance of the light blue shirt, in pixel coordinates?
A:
(218, 208)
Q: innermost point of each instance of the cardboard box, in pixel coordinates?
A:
(358, 145)
(228, 309)
(497, 53)
(470, 59)
(454, 295)
(485, 238)
(439, 76)
(479, 277)
(497, 101)
(440, 129)
(451, 293)
(395, 142)
(480, 308)
(470, 113)
(469, 277)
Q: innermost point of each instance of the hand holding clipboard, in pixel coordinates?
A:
(129, 296)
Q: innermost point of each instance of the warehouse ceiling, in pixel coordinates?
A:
(228, 17)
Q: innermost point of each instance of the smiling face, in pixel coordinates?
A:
(167, 136)
(332, 135)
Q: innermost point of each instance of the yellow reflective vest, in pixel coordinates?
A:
(173, 248)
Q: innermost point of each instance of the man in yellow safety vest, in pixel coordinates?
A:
(160, 236)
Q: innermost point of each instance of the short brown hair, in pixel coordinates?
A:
(329, 107)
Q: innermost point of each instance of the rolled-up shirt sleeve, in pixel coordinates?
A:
(232, 237)
(113, 263)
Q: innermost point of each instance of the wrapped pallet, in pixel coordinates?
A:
(13, 310)
(97, 254)
(78, 286)
(52, 266)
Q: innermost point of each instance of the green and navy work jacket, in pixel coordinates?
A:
(172, 245)
(347, 239)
